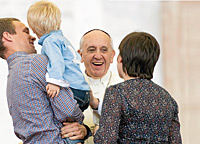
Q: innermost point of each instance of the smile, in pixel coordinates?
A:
(98, 63)
(32, 43)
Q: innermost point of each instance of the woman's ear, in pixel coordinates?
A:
(119, 59)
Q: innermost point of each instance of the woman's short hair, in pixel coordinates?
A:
(44, 17)
(140, 52)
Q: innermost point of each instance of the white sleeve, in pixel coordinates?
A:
(98, 111)
(61, 83)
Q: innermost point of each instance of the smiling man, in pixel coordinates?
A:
(36, 117)
(97, 54)
(17, 39)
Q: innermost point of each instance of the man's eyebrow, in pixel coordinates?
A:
(91, 47)
(104, 47)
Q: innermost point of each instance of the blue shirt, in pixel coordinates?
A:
(36, 117)
(64, 62)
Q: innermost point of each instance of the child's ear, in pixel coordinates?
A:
(7, 36)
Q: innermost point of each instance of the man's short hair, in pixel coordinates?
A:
(96, 30)
(44, 17)
(140, 52)
(81, 41)
(6, 25)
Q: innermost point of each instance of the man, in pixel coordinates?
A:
(36, 117)
(97, 54)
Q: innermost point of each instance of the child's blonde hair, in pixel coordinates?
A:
(44, 17)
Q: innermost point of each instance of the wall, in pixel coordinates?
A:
(181, 63)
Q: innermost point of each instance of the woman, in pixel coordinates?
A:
(138, 110)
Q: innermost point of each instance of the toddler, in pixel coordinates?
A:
(63, 69)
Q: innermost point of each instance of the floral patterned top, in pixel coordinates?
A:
(138, 111)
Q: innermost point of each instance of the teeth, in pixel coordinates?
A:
(98, 63)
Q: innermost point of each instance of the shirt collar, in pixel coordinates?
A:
(42, 38)
(14, 55)
(104, 80)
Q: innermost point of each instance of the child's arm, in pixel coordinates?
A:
(56, 65)
(64, 107)
(52, 90)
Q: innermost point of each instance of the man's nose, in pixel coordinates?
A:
(98, 54)
(33, 38)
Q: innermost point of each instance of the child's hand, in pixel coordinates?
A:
(52, 90)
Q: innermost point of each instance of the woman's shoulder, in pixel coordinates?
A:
(118, 87)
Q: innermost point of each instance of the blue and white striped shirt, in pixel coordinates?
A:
(36, 117)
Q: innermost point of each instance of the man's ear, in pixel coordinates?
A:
(112, 56)
(7, 36)
(79, 51)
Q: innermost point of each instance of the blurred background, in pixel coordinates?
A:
(175, 24)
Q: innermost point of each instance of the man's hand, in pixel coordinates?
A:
(73, 131)
(94, 102)
(96, 127)
(52, 90)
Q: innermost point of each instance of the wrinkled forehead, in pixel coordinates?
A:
(97, 39)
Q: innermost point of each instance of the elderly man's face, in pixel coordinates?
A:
(97, 53)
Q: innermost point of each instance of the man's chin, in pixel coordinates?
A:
(97, 75)
(34, 51)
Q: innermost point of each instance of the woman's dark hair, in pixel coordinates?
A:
(140, 52)
(6, 26)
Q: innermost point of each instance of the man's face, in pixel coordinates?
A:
(96, 53)
(22, 39)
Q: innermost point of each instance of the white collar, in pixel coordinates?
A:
(104, 80)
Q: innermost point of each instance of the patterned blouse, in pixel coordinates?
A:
(138, 111)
